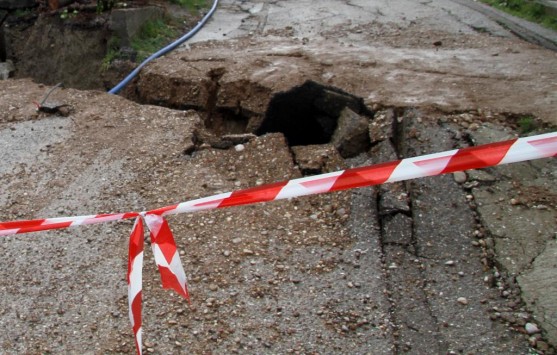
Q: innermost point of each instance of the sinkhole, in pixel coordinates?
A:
(308, 114)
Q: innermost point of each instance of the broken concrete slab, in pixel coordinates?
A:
(351, 136)
(265, 66)
(393, 198)
(442, 223)
(381, 126)
(520, 232)
(539, 289)
(397, 229)
(317, 159)
(416, 328)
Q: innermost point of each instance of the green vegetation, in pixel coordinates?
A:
(112, 52)
(153, 36)
(105, 5)
(526, 124)
(22, 12)
(191, 4)
(527, 9)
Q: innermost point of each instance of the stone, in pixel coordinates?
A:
(462, 300)
(531, 328)
(317, 158)
(460, 177)
(489, 133)
(481, 175)
(381, 126)
(351, 136)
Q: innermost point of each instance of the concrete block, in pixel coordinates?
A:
(126, 23)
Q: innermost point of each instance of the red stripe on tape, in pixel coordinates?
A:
(253, 195)
(162, 210)
(323, 183)
(169, 281)
(44, 227)
(21, 224)
(433, 164)
(136, 244)
(136, 313)
(165, 241)
(135, 282)
(216, 203)
(478, 157)
(171, 269)
(365, 176)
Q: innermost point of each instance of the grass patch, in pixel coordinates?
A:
(112, 53)
(526, 124)
(153, 36)
(527, 9)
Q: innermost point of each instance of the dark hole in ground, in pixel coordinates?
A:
(308, 114)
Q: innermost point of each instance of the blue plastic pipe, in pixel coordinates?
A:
(165, 50)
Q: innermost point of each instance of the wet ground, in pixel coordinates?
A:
(461, 263)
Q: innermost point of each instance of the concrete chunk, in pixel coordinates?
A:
(351, 136)
(539, 290)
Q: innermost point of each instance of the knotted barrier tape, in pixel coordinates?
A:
(163, 244)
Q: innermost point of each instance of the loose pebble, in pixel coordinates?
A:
(462, 300)
(531, 328)
(460, 177)
(239, 148)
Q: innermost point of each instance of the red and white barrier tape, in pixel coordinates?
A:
(135, 280)
(163, 244)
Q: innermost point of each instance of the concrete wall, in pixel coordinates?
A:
(126, 23)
